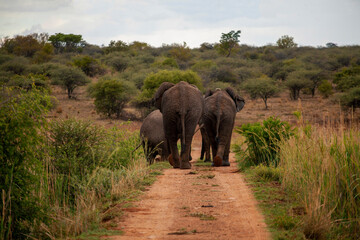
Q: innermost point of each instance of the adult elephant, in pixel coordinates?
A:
(182, 106)
(153, 137)
(220, 110)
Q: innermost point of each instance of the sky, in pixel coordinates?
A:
(157, 22)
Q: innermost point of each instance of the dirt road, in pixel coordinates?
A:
(201, 203)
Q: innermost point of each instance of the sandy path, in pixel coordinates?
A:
(175, 204)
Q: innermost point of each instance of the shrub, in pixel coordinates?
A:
(154, 80)
(89, 65)
(325, 89)
(111, 95)
(28, 82)
(16, 65)
(4, 58)
(69, 78)
(119, 63)
(262, 141)
(171, 62)
(351, 98)
(21, 124)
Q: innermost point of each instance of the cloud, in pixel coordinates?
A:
(32, 5)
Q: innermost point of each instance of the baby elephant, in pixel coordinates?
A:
(153, 137)
(220, 110)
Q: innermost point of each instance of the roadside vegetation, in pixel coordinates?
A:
(306, 178)
(62, 177)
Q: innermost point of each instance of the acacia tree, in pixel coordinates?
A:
(228, 41)
(66, 42)
(297, 81)
(69, 78)
(286, 42)
(263, 87)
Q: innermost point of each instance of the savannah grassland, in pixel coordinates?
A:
(75, 167)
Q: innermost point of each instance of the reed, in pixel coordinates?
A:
(323, 167)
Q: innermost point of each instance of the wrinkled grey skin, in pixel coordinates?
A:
(182, 106)
(220, 110)
(153, 137)
(205, 145)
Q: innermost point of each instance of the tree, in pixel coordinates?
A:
(331, 45)
(89, 65)
(180, 52)
(263, 87)
(154, 80)
(116, 46)
(351, 98)
(316, 76)
(228, 41)
(69, 78)
(295, 82)
(286, 42)
(111, 95)
(66, 42)
(22, 45)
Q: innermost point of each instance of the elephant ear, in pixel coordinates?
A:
(208, 93)
(239, 101)
(159, 93)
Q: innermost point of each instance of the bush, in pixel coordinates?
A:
(111, 95)
(28, 82)
(262, 141)
(21, 124)
(351, 98)
(69, 78)
(325, 89)
(171, 62)
(90, 66)
(118, 63)
(16, 65)
(154, 80)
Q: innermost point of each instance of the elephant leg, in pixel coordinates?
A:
(174, 158)
(186, 150)
(226, 155)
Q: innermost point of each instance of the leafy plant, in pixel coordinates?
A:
(262, 141)
(111, 95)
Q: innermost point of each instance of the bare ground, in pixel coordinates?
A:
(201, 203)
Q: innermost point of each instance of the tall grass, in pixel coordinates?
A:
(323, 167)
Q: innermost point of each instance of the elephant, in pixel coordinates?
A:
(205, 145)
(153, 137)
(220, 110)
(182, 106)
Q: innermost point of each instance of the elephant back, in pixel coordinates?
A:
(152, 128)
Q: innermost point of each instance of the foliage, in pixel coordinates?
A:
(66, 42)
(228, 42)
(347, 78)
(180, 52)
(111, 95)
(351, 98)
(89, 65)
(154, 80)
(21, 122)
(16, 65)
(23, 45)
(69, 78)
(286, 42)
(119, 63)
(28, 82)
(171, 62)
(296, 81)
(263, 87)
(323, 169)
(325, 88)
(262, 141)
(116, 46)
(45, 54)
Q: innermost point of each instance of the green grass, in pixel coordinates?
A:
(278, 206)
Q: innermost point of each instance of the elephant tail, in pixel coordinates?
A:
(217, 127)
(182, 119)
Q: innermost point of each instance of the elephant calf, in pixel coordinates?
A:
(153, 137)
(220, 110)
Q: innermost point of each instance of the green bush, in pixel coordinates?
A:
(68, 78)
(89, 65)
(262, 141)
(111, 95)
(22, 122)
(16, 65)
(170, 62)
(29, 81)
(351, 98)
(117, 62)
(4, 58)
(154, 80)
(325, 89)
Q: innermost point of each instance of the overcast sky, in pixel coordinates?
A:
(310, 22)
